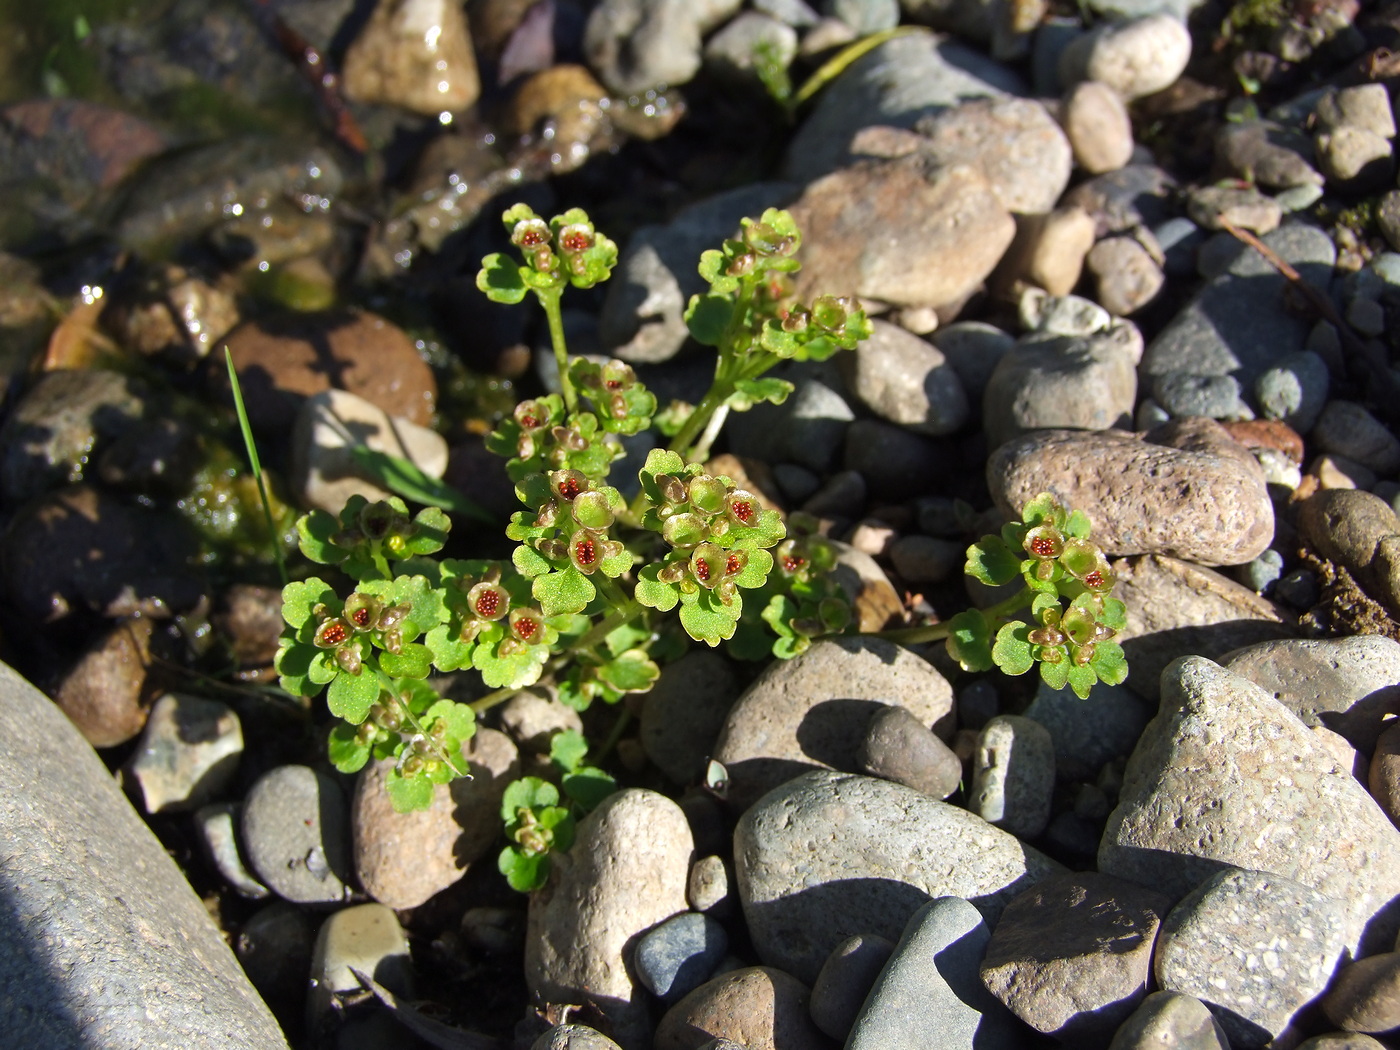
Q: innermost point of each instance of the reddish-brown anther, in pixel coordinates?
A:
(487, 604)
(734, 565)
(792, 563)
(569, 488)
(575, 239)
(585, 552)
(1094, 579)
(361, 617)
(532, 237)
(526, 627)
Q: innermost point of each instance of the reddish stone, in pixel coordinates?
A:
(1268, 433)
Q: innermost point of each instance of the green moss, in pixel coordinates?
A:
(1251, 17)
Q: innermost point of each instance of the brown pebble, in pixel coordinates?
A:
(1384, 777)
(1366, 995)
(105, 695)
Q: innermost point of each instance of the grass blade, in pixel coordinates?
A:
(251, 446)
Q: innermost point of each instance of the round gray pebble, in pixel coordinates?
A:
(296, 833)
(680, 955)
(1013, 775)
(1217, 397)
(1294, 390)
(1261, 573)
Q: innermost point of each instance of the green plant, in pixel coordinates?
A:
(584, 596)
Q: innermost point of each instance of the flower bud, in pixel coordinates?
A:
(348, 658)
(392, 616)
(706, 494)
(592, 510)
(393, 640)
(567, 483)
(671, 572)
(672, 488)
(742, 265)
(742, 508)
(829, 312)
(379, 520)
(684, 531)
(526, 625)
(553, 549)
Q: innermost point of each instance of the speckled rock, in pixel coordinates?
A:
(1366, 995)
(188, 753)
(1176, 608)
(845, 980)
(573, 1037)
(634, 46)
(1360, 531)
(1135, 57)
(1202, 497)
(1253, 946)
(1170, 1019)
(1072, 956)
(296, 834)
(1013, 775)
(898, 747)
(1127, 273)
(1226, 775)
(900, 231)
(625, 873)
(929, 993)
(1347, 685)
(905, 380)
(796, 848)
(402, 859)
(1097, 125)
(1120, 201)
(1085, 382)
(1015, 144)
(683, 714)
(811, 712)
(759, 1007)
(1341, 1041)
(103, 944)
(679, 955)
(416, 54)
(106, 694)
(532, 717)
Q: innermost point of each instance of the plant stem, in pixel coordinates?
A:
(935, 632)
(497, 696)
(619, 727)
(388, 685)
(550, 301)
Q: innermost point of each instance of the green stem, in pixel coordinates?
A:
(483, 704)
(628, 611)
(550, 301)
(246, 428)
(388, 684)
(938, 631)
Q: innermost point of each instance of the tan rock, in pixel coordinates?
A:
(416, 54)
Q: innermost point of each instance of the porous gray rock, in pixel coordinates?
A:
(1127, 273)
(1072, 956)
(296, 834)
(1202, 498)
(1347, 685)
(102, 942)
(929, 993)
(1170, 1019)
(1253, 946)
(1227, 776)
(811, 712)
(625, 872)
(676, 957)
(796, 850)
(905, 380)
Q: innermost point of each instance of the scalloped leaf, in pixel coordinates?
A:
(1115, 614)
(1081, 679)
(450, 653)
(526, 793)
(1043, 508)
(708, 316)
(408, 794)
(412, 661)
(323, 668)
(1012, 649)
(588, 785)
(712, 268)
(530, 562)
(970, 640)
(565, 591)
(351, 696)
(1109, 662)
(346, 751)
(525, 872)
(756, 572)
(1042, 601)
(992, 562)
(460, 719)
(567, 749)
(769, 532)
(750, 392)
(299, 599)
(653, 593)
(314, 532)
(632, 671)
(431, 528)
(1078, 525)
(779, 342)
(500, 279)
(512, 671)
(709, 620)
(1055, 675)
(293, 661)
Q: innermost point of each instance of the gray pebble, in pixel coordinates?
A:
(905, 380)
(973, 348)
(1348, 429)
(679, 955)
(217, 826)
(367, 937)
(978, 703)
(1294, 390)
(573, 1037)
(1299, 589)
(895, 463)
(1179, 238)
(707, 886)
(1170, 1019)
(1127, 273)
(930, 993)
(733, 53)
(898, 747)
(684, 712)
(296, 833)
(845, 980)
(189, 751)
(1263, 572)
(1089, 733)
(807, 429)
(1216, 397)
(1013, 775)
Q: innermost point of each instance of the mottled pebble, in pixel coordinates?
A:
(1294, 390)
(1384, 774)
(760, 1007)
(188, 753)
(1212, 207)
(707, 887)
(105, 693)
(1215, 397)
(898, 747)
(573, 1037)
(905, 380)
(973, 348)
(217, 825)
(296, 833)
(634, 46)
(1127, 274)
(927, 559)
(1135, 57)
(1049, 251)
(1360, 531)
(1271, 154)
(676, 957)
(1013, 775)
(1097, 125)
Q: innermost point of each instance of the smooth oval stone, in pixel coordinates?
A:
(367, 937)
(898, 747)
(1225, 775)
(1072, 956)
(795, 850)
(296, 833)
(625, 872)
(218, 834)
(1256, 946)
(1207, 504)
(188, 752)
(906, 380)
(1134, 56)
(1013, 775)
(845, 981)
(678, 956)
(1366, 995)
(811, 712)
(1171, 1019)
(764, 1007)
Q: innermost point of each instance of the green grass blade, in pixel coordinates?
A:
(251, 446)
(835, 66)
(404, 478)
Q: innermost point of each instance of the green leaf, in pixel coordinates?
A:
(527, 793)
(412, 661)
(1012, 649)
(708, 316)
(708, 619)
(530, 562)
(1109, 662)
(525, 872)
(314, 532)
(712, 268)
(990, 561)
(750, 392)
(460, 719)
(630, 672)
(1042, 602)
(588, 786)
(323, 668)
(1081, 680)
(567, 749)
(500, 279)
(755, 573)
(293, 662)
(511, 671)
(653, 593)
(565, 591)
(450, 653)
(1043, 508)
(779, 342)
(614, 565)
(970, 640)
(408, 794)
(1078, 525)
(1115, 614)
(300, 599)
(430, 529)
(347, 753)
(352, 695)
(1055, 675)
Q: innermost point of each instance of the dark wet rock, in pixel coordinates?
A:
(78, 550)
(97, 915)
(60, 424)
(249, 616)
(274, 946)
(106, 694)
(153, 456)
(283, 360)
(894, 463)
